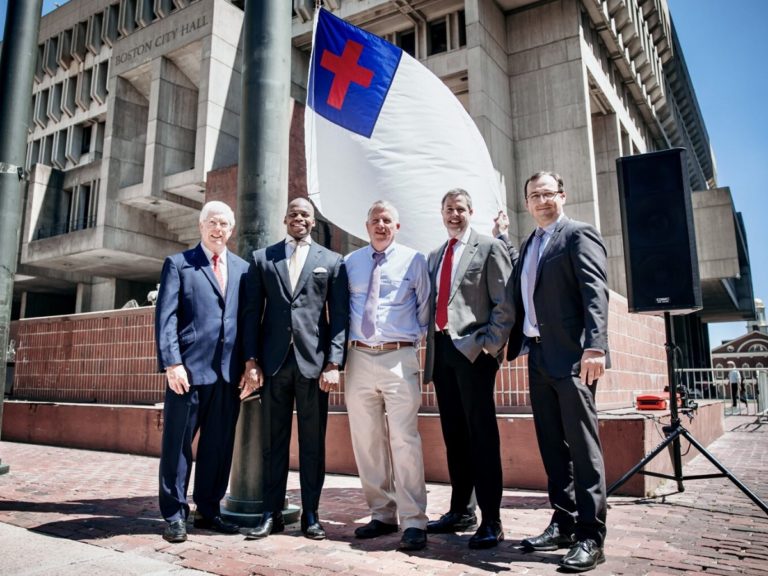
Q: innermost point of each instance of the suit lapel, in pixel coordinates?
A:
(309, 265)
(231, 282)
(466, 257)
(553, 246)
(205, 266)
(281, 267)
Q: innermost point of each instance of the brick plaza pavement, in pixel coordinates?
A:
(106, 503)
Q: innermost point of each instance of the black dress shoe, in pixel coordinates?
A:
(217, 524)
(551, 539)
(488, 535)
(413, 539)
(374, 529)
(175, 532)
(584, 555)
(271, 523)
(453, 522)
(311, 527)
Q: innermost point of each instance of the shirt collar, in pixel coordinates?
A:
(209, 254)
(464, 238)
(550, 228)
(387, 251)
(306, 240)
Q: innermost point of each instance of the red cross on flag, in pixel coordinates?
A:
(380, 126)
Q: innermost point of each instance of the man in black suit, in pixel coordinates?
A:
(295, 335)
(468, 328)
(561, 294)
(198, 348)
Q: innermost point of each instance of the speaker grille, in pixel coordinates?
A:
(659, 238)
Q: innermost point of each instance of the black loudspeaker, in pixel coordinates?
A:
(659, 238)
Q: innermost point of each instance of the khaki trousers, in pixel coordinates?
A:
(383, 399)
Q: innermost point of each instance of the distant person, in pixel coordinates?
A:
(389, 311)
(295, 334)
(469, 325)
(737, 388)
(560, 291)
(198, 348)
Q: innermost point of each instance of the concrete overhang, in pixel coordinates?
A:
(724, 269)
(102, 251)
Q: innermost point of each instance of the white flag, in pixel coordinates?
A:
(380, 126)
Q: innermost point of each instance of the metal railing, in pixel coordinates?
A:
(749, 397)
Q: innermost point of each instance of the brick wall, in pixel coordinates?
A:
(105, 357)
(109, 357)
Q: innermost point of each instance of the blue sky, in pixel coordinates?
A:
(724, 47)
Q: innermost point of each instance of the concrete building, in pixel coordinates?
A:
(136, 105)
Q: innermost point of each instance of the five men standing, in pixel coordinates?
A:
(389, 311)
(298, 307)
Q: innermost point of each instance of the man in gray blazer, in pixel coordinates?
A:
(469, 325)
(294, 340)
(561, 294)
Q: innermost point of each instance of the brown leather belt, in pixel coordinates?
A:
(380, 347)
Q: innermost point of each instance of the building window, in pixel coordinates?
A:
(758, 348)
(407, 41)
(462, 29)
(85, 145)
(437, 37)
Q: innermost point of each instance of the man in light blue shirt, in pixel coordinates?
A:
(389, 312)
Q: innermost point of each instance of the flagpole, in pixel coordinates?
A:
(17, 70)
(261, 202)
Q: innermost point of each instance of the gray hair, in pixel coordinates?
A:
(384, 205)
(455, 193)
(217, 207)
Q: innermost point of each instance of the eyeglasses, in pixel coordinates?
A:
(223, 224)
(545, 196)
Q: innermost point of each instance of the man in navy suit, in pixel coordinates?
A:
(295, 335)
(198, 348)
(561, 294)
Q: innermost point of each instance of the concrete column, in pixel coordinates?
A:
(550, 103)
(490, 104)
(262, 198)
(606, 132)
(17, 64)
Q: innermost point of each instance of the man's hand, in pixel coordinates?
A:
(592, 366)
(177, 378)
(500, 224)
(252, 379)
(330, 378)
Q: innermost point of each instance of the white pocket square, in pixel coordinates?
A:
(320, 270)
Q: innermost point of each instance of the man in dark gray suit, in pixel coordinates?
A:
(295, 336)
(469, 325)
(561, 294)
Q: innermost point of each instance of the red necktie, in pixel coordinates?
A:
(217, 271)
(441, 313)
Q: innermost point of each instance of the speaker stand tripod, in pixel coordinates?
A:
(673, 432)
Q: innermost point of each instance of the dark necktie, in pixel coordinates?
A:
(441, 313)
(217, 271)
(368, 325)
(533, 269)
